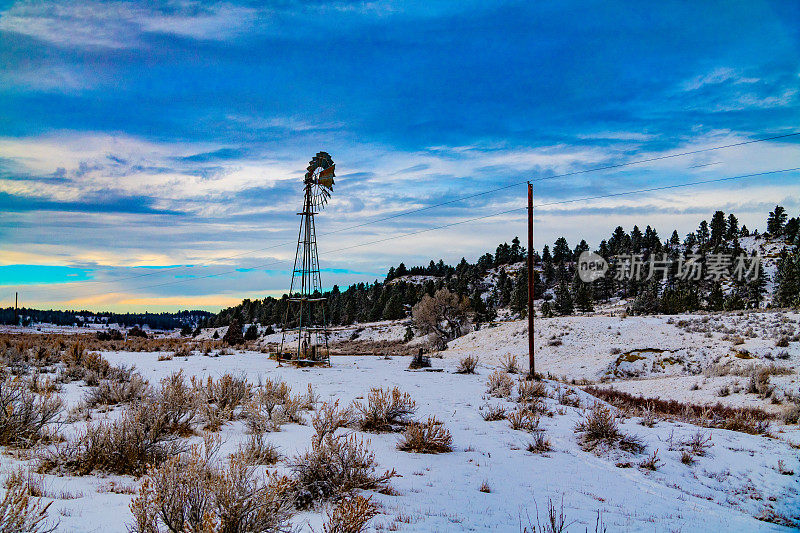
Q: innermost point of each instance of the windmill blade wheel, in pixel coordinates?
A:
(319, 177)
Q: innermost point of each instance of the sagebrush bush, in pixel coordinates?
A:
(467, 365)
(499, 384)
(191, 493)
(350, 515)
(257, 451)
(426, 437)
(385, 410)
(600, 428)
(141, 436)
(272, 405)
(490, 413)
(509, 364)
(335, 465)
(112, 392)
(529, 391)
(26, 418)
(20, 512)
(176, 404)
(540, 444)
(523, 419)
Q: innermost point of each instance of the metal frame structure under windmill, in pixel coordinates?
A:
(305, 291)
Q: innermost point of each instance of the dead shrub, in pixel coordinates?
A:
(25, 417)
(335, 465)
(524, 420)
(540, 443)
(110, 392)
(652, 462)
(783, 342)
(467, 365)
(568, 397)
(176, 404)
(141, 436)
(20, 511)
(386, 410)
(329, 418)
(759, 383)
(599, 428)
(490, 413)
(190, 493)
(426, 437)
(350, 515)
(499, 384)
(271, 406)
(529, 391)
(258, 452)
(698, 444)
(509, 364)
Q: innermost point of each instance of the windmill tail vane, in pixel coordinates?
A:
(305, 312)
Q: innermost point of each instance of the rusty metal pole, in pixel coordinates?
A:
(531, 359)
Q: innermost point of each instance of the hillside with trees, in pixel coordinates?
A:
(498, 281)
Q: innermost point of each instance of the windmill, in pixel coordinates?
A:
(305, 291)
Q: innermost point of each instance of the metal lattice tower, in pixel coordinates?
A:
(306, 306)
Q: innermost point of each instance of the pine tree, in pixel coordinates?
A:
(583, 296)
(563, 302)
(733, 227)
(519, 294)
(776, 221)
(719, 228)
(787, 280)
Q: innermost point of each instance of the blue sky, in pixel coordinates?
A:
(151, 153)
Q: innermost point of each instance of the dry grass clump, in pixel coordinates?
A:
(490, 413)
(426, 437)
(112, 392)
(530, 391)
(141, 436)
(744, 419)
(568, 397)
(191, 493)
(333, 466)
(759, 383)
(524, 420)
(467, 365)
(509, 364)
(256, 451)
(652, 462)
(697, 444)
(499, 384)
(272, 405)
(386, 410)
(26, 418)
(20, 510)
(540, 443)
(350, 515)
(599, 429)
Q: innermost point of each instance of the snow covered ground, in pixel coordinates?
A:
(738, 480)
(686, 358)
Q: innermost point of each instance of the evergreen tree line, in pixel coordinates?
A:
(69, 318)
(394, 297)
(666, 292)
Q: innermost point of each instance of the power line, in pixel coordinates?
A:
(459, 199)
(482, 217)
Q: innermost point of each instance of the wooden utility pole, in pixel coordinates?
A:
(16, 305)
(531, 359)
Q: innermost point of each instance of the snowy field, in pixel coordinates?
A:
(687, 358)
(736, 481)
